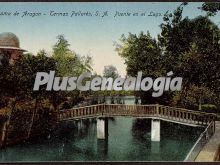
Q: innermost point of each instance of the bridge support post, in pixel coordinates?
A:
(155, 130)
(102, 128)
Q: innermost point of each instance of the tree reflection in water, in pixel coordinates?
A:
(141, 128)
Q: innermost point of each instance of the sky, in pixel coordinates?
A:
(87, 35)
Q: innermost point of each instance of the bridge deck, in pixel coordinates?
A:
(173, 114)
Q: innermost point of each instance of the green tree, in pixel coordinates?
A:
(211, 8)
(188, 47)
(68, 62)
(193, 96)
(191, 48)
(19, 78)
(141, 53)
(110, 71)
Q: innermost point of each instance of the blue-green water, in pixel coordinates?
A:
(129, 140)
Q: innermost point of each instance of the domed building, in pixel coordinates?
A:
(10, 50)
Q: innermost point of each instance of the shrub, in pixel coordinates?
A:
(210, 108)
(191, 96)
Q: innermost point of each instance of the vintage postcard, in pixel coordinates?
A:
(109, 82)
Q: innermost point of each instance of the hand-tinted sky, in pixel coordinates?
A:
(87, 35)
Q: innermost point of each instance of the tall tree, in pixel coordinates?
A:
(110, 71)
(211, 8)
(141, 53)
(67, 61)
(191, 48)
(188, 47)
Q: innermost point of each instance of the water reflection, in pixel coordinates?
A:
(102, 149)
(155, 147)
(141, 129)
(128, 140)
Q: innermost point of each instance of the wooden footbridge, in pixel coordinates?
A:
(13, 130)
(172, 114)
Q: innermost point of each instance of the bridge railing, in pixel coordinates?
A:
(184, 115)
(153, 110)
(129, 110)
(81, 112)
(203, 139)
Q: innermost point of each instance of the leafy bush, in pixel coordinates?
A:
(209, 108)
(191, 96)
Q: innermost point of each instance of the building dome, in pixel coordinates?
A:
(9, 41)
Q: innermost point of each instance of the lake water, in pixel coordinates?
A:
(129, 140)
